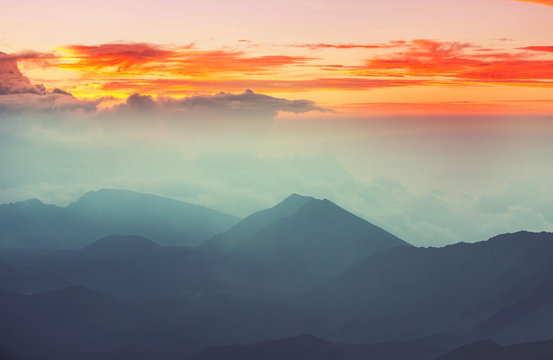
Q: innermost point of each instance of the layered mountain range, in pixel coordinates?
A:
(119, 275)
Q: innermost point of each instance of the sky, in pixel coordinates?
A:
(431, 118)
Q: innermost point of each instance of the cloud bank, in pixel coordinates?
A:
(17, 94)
(244, 103)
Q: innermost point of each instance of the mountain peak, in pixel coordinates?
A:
(105, 212)
(297, 197)
(106, 193)
(123, 245)
(294, 201)
(307, 337)
(247, 228)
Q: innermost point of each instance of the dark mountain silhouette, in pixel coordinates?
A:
(123, 246)
(32, 224)
(299, 243)
(59, 324)
(307, 347)
(407, 293)
(522, 313)
(14, 280)
(489, 350)
(77, 323)
(128, 268)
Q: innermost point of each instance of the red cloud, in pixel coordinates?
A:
(427, 58)
(538, 48)
(123, 68)
(543, 2)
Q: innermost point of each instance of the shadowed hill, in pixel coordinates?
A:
(522, 313)
(489, 350)
(406, 292)
(123, 246)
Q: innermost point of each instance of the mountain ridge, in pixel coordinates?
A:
(96, 214)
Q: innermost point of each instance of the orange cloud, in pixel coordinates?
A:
(146, 59)
(460, 62)
(120, 56)
(121, 69)
(347, 46)
(451, 107)
(180, 86)
(543, 2)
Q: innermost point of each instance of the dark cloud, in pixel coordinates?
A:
(61, 92)
(27, 55)
(45, 103)
(140, 102)
(243, 104)
(12, 81)
(247, 101)
(18, 94)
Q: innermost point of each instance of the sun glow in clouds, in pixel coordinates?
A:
(121, 69)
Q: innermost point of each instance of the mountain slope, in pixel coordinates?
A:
(59, 324)
(522, 313)
(317, 241)
(307, 347)
(405, 292)
(489, 350)
(248, 227)
(127, 268)
(105, 212)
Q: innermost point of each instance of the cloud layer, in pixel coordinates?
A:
(17, 94)
(121, 69)
(414, 62)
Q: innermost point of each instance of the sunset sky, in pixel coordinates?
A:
(431, 118)
(356, 57)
